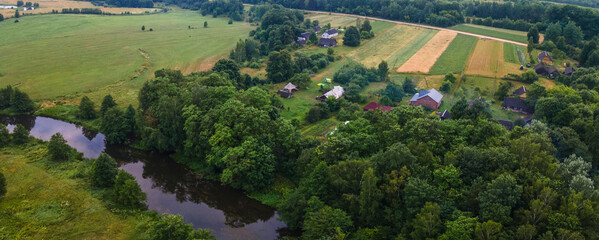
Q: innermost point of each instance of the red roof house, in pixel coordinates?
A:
(374, 106)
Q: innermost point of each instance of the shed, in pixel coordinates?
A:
(568, 71)
(290, 88)
(444, 115)
(285, 94)
(520, 91)
(517, 105)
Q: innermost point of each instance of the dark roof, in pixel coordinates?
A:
(479, 98)
(528, 119)
(552, 70)
(305, 35)
(375, 106)
(516, 103)
(317, 28)
(541, 69)
(301, 42)
(520, 91)
(544, 54)
(284, 94)
(445, 115)
(569, 71)
(327, 42)
(509, 125)
(331, 31)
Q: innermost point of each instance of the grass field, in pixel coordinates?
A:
(385, 45)
(455, 56)
(517, 36)
(425, 58)
(97, 55)
(488, 60)
(48, 200)
(47, 6)
(402, 55)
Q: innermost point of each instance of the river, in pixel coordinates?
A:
(169, 186)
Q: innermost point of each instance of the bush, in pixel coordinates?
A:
(128, 191)
(58, 148)
(2, 185)
(104, 170)
(86, 109)
(20, 135)
(172, 227)
(4, 136)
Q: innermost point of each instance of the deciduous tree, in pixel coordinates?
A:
(58, 148)
(103, 171)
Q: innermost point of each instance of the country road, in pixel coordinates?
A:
(416, 25)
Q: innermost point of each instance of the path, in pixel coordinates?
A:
(416, 25)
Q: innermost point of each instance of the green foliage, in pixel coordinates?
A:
(383, 71)
(20, 135)
(461, 228)
(553, 31)
(15, 98)
(386, 100)
(369, 198)
(128, 191)
(427, 223)
(172, 227)
(86, 109)
(103, 171)
(533, 33)
(500, 196)
(301, 80)
(324, 221)
(408, 86)
(488, 230)
(4, 136)
(249, 166)
(351, 37)
(114, 125)
(573, 34)
(107, 103)
(313, 38)
(394, 92)
(58, 148)
(503, 90)
(2, 185)
(280, 66)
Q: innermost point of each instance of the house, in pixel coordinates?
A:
(444, 115)
(8, 7)
(285, 94)
(330, 33)
(301, 42)
(508, 125)
(327, 42)
(520, 91)
(553, 72)
(377, 106)
(290, 88)
(305, 36)
(431, 99)
(317, 28)
(550, 72)
(516, 105)
(479, 98)
(545, 58)
(569, 71)
(337, 92)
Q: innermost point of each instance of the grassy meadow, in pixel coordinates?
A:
(455, 56)
(48, 200)
(513, 35)
(52, 56)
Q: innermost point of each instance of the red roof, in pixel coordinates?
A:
(375, 106)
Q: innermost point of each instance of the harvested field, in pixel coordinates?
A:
(403, 54)
(47, 6)
(488, 60)
(426, 57)
(385, 45)
(455, 56)
(334, 20)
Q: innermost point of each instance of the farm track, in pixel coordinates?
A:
(414, 24)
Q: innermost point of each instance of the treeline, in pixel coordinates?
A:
(230, 8)
(506, 23)
(584, 3)
(80, 11)
(15, 101)
(131, 3)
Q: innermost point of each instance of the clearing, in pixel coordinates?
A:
(513, 35)
(455, 56)
(488, 60)
(426, 57)
(98, 55)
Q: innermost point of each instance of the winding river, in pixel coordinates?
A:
(170, 188)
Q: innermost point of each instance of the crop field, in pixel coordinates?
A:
(53, 204)
(514, 54)
(426, 57)
(47, 6)
(455, 56)
(385, 45)
(66, 55)
(513, 35)
(488, 60)
(403, 54)
(334, 20)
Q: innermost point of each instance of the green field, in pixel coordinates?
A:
(517, 36)
(50, 56)
(49, 200)
(455, 56)
(401, 56)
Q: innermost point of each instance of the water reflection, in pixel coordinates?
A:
(169, 186)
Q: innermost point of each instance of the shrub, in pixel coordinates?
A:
(2, 185)
(58, 148)
(103, 171)
(20, 135)
(127, 190)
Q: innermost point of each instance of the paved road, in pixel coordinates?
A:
(418, 25)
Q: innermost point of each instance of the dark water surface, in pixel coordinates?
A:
(170, 188)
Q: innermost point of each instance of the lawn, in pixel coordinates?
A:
(455, 56)
(512, 35)
(48, 200)
(51, 56)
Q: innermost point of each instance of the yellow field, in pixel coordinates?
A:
(334, 20)
(487, 60)
(47, 6)
(385, 45)
(426, 57)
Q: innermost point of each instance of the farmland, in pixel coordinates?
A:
(488, 60)
(426, 57)
(493, 32)
(97, 55)
(456, 55)
(47, 6)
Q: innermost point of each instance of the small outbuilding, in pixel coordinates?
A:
(327, 42)
(444, 115)
(520, 91)
(285, 94)
(290, 88)
(516, 105)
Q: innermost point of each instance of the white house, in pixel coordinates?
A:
(330, 33)
(337, 92)
(8, 7)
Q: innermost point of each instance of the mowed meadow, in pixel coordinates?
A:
(51, 56)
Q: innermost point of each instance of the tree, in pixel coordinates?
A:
(4, 136)
(383, 71)
(323, 221)
(462, 228)
(366, 26)
(497, 201)
(446, 86)
(385, 100)
(530, 47)
(86, 109)
(58, 148)
(394, 92)
(205, 24)
(313, 38)
(127, 190)
(250, 166)
(427, 222)
(129, 123)
(533, 33)
(503, 90)
(1, 17)
(20, 134)
(114, 126)
(553, 31)
(103, 171)
(107, 103)
(450, 77)
(488, 230)
(2, 185)
(351, 37)
(280, 66)
(301, 79)
(173, 227)
(21, 101)
(573, 34)
(17, 13)
(143, 28)
(409, 86)
(369, 198)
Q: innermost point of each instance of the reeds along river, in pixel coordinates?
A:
(169, 186)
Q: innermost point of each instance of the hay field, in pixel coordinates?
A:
(334, 20)
(385, 45)
(455, 57)
(403, 54)
(47, 6)
(513, 35)
(488, 60)
(426, 57)
(53, 56)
